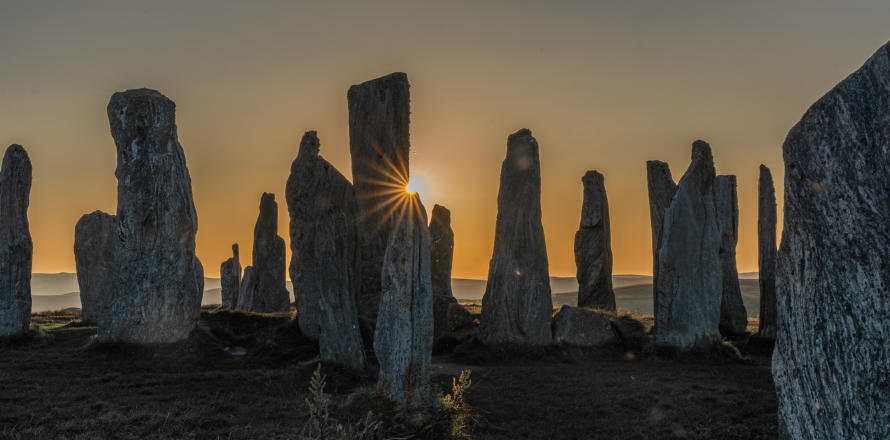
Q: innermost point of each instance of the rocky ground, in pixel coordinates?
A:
(246, 376)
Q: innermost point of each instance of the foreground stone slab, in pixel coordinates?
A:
(264, 291)
(832, 358)
(403, 340)
(733, 316)
(516, 306)
(767, 254)
(689, 286)
(16, 247)
(94, 239)
(593, 246)
(581, 328)
(159, 281)
(324, 266)
(230, 279)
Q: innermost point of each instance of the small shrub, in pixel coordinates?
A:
(455, 405)
(321, 426)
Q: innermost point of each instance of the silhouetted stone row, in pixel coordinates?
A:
(766, 255)
(831, 363)
(733, 316)
(230, 279)
(263, 286)
(94, 237)
(16, 247)
(593, 246)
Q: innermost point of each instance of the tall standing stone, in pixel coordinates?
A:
(441, 259)
(230, 279)
(661, 191)
(94, 240)
(379, 145)
(733, 316)
(324, 262)
(593, 246)
(264, 290)
(689, 286)
(15, 242)
(766, 256)
(831, 364)
(159, 281)
(403, 340)
(517, 306)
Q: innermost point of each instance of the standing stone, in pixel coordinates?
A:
(733, 316)
(230, 279)
(324, 262)
(158, 281)
(15, 242)
(593, 246)
(379, 145)
(403, 341)
(690, 277)
(661, 191)
(94, 239)
(516, 307)
(831, 363)
(766, 256)
(441, 258)
(264, 291)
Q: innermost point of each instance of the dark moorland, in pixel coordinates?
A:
(242, 376)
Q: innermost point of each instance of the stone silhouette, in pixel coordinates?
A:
(593, 246)
(158, 281)
(661, 191)
(690, 281)
(766, 256)
(230, 279)
(94, 240)
(403, 340)
(16, 247)
(441, 257)
(733, 316)
(831, 364)
(264, 290)
(516, 306)
(324, 265)
(379, 145)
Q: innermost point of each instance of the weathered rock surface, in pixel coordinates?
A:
(581, 328)
(593, 246)
(230, 279)
(661, 191)
(94, 239)
(403, 341)
(733, 316)
(379, 144)
(159, 281)
(689, 286)
(831, 363)
(766, 256)
(16, 247)
(441, 258)
(516, 307)
(264, 291)
(324, 265)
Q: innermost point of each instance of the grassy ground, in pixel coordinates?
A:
(246, 376)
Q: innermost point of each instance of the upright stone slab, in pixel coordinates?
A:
(158, 281)
(15, 242)
(516, 307)
(94, 240)
(264, 291)
(831, 363)
(689, 286)
(324, 263)
(230, 279)
(441, 258)
(733, 316)
(766, 255)
(593, 246)
(379, 145)
(403, 341)
(661, 191)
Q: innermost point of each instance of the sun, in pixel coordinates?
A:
(412, 187)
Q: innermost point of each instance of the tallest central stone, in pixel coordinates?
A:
(379, 145)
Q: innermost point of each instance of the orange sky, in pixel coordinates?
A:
(601, 87)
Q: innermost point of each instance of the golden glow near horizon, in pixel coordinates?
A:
(602, 86)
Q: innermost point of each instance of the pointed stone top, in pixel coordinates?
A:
(235, 250)
(16, 156)
(592, 177)
(309, 145)
(524, 135)
(701, 150)
(764, 170)
(441, 215)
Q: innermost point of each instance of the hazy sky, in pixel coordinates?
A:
(602, 85)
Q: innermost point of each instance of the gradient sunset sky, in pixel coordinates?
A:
(602, 85)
